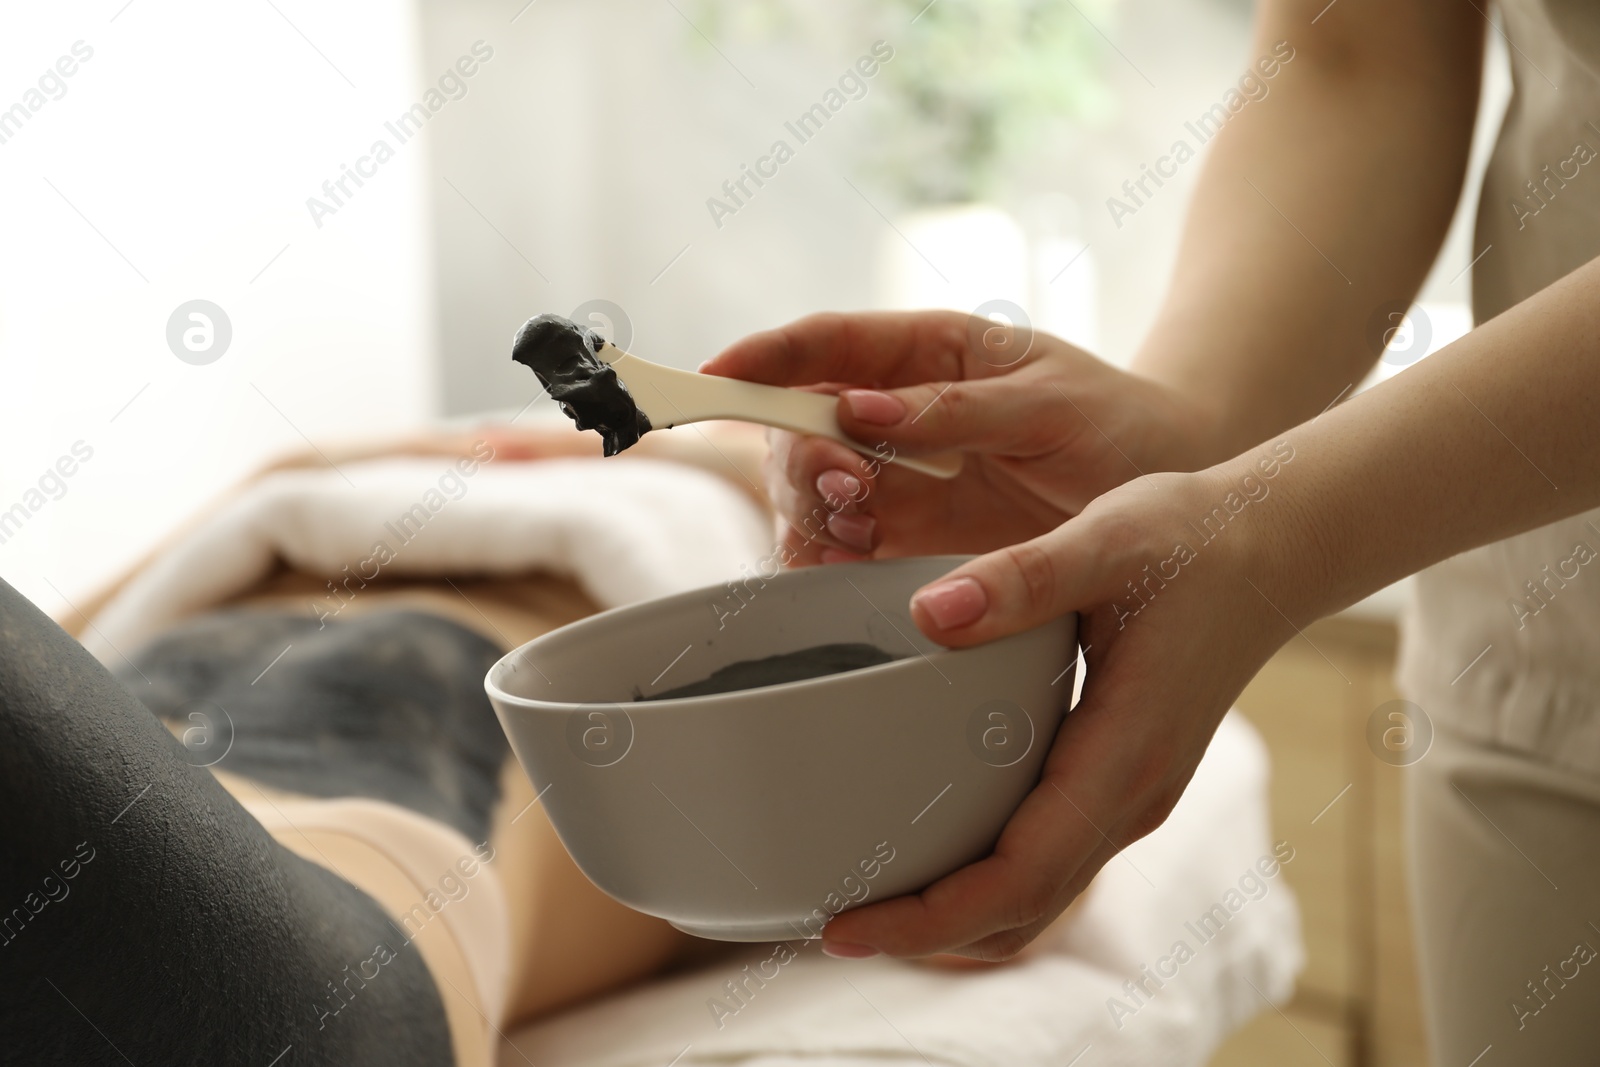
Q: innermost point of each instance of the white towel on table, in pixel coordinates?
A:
(626, 531)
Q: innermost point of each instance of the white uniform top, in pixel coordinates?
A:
(1529, 606)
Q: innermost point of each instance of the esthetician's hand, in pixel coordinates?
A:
(1163, 668)
(1045, 426)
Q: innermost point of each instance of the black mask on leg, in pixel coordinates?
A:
(144, 916)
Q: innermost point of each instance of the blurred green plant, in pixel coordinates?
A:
(972, 87)
(975, 83)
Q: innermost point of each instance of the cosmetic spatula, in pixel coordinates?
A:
(603, 388)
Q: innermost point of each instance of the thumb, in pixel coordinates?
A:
(1004, 415)
(1013, 589)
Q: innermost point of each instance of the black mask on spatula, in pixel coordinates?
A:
(564, 356)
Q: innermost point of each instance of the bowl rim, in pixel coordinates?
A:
(939, 655)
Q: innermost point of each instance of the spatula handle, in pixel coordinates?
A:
(790, 409)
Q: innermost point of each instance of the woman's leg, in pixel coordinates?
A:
(1506, 896)
(145, 917)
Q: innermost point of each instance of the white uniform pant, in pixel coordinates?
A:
(1505, 877)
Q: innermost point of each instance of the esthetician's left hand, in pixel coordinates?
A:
(1161, 674)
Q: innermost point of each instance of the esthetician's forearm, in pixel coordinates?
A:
(1490, 437)
(1356, 156)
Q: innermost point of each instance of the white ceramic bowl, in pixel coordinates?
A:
(758, 815)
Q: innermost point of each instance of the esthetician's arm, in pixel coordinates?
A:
(1357, 149)
(1317, 206)
(1492, 436)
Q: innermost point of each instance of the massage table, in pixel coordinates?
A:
(1110, 986)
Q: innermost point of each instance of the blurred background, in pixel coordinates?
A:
(235, 230)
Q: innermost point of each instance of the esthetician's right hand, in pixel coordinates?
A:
(1045, 428)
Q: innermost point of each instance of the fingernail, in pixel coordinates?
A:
(854, 530)
(838, 484)
(953, 604)
(880, 409)
(845, 950)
